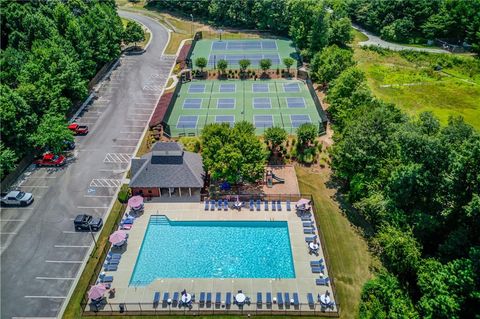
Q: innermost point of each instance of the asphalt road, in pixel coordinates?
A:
(375, 40)
(41, 254)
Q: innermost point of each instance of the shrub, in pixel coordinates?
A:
(122, 196)
(190, 143)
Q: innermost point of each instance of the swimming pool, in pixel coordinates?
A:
(213, 249)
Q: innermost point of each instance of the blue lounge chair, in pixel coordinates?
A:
(310, 239)
(175, 299)
(218, 299)
(251, 205)
(209, 299)
(258, 205)
(202, 298)
(306, 219)
(259, 299)
(266, 205)
(206, 205)
(287, 299)
(279, 206)
(316, 263)
(228, 299)
(110, 267)
(156, 299)
(296, 302)
(269, 299)
(317, 270)
(308, 231)
(307, 224)
(310, 300)
(114, 255)
(115, 261)
(274, 207)
(289, 208)
(212, 204)
(322, 281)
(225, 204)
(279, 299)
(166, 295)
(106, 279)
(220, 204)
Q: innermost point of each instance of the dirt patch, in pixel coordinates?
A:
(286, 172)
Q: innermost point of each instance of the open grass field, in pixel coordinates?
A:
(349, 257)
(412, 84)
(265, 103)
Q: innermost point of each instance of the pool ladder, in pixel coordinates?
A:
(159, 220)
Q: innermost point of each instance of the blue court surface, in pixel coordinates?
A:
(226, 103)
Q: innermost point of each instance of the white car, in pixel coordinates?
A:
(17, 198)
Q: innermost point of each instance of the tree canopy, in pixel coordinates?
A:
(201, 63)
(133, 32)
(330, 62)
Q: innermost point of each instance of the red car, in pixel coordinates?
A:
(78, 129)
(50, 159)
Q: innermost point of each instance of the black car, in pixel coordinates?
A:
(87, 222)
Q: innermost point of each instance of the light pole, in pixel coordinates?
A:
(191, 27)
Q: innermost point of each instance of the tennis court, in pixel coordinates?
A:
(266, 103)
(251, 49)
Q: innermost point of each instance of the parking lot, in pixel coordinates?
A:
(41, 253)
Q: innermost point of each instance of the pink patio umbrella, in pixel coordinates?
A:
(118, 237)
(135, 201)
(303, 201)
(96, 291)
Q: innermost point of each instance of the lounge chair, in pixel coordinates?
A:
(268, 299)
(306, 218)
(307, 224)
(274, 207)
(113, 255)
(311, 238)
(279, 299)
(258, 205)
(113, 258)
(166, 295)
(110, 267)
(228, 299)
(279, 205)
(220, 204)
(156, 299)
(206, 205)
(218, 299)
(212, 205)
(225, 204)
(266, 205)
(175, 299)
(289, 208)
(308, 231)
(202, 298)
(287, 299)
(251, 205)
(209, 299)
(317, 270)
(259, 299)
(114, 261)
(316, 263)
(296, 302)
(322, 281)
(310, 300)
(106, 279)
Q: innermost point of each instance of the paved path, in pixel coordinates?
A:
(41, 254)
(375, 40)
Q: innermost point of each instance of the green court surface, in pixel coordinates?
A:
(266, 103)
(251, 49)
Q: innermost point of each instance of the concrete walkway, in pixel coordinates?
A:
(375, 40)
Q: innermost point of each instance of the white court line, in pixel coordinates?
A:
(64, 261)
(71, 246)
(54, 278)
(46, 297)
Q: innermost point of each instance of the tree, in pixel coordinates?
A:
(340, 32)
(306, 134)
(275, 136)
(52, 133)
(222, 65)
(265, 64)
(201, 63)
(133, 33)
(288, 61)
(8, 159)
(330, 62)
(244, 64)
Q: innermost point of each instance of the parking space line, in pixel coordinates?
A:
(64, 261)
(12, 220)
(19, 208)
(142, 126)
(98, 196)
(33, 186)
(54, 278)
(71, 246)
(70, 232)
(127, 139)
(91, 207)
(46, 297)
(32, 177)
(5, 233)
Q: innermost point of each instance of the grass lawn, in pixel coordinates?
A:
(348, 252)
(415, 87)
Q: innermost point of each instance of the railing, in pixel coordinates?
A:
(248, 196)
(130, 309)
(318, 105)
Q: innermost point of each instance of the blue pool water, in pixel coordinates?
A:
(213, 249)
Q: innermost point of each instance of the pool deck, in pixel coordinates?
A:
(303, 283)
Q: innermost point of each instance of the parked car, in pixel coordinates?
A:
(17, 198)
(78, 129)
(50, 159)
(87, 222)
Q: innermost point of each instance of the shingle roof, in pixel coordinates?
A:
(167, 171)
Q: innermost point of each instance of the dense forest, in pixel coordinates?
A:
(419, 20)
(49, 52)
